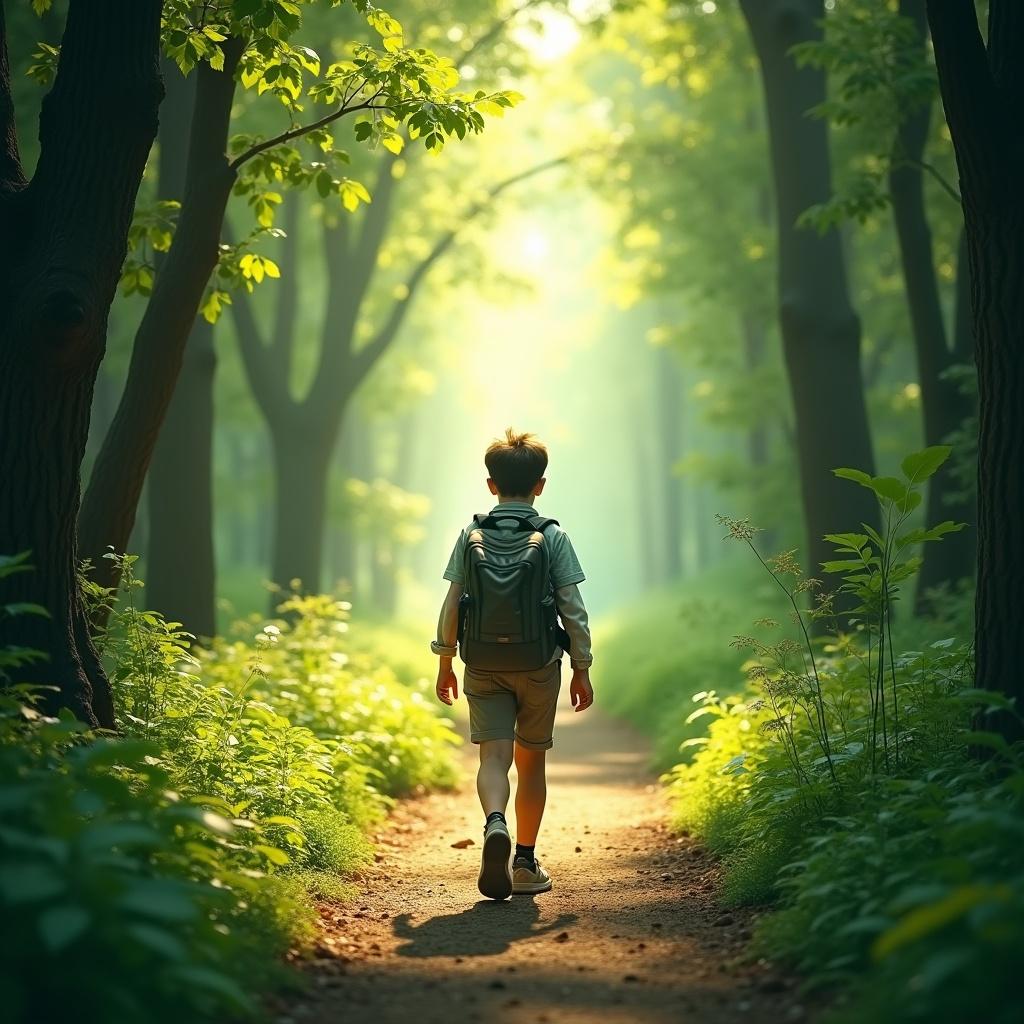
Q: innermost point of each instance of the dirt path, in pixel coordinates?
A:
(630, 933)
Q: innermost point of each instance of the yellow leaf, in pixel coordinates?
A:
(272, 269)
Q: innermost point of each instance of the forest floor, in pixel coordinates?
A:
(630, 934)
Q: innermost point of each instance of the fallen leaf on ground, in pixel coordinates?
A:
(562, 937)
(462, 844)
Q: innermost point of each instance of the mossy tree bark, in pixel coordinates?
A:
(983, 96)
(64, 237)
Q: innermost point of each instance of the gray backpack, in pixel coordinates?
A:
(508, 621)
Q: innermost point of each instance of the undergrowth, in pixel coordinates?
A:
(844, 785)
(160, 874)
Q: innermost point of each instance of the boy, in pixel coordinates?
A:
(510, 572)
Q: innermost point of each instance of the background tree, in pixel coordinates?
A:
(820, 329)
(883, 99)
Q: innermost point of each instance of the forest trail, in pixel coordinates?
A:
(630, 934)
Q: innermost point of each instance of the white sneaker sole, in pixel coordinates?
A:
(530, 888)
(495, 881)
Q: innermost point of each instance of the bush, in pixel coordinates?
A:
(118, 897)
(844, 783)
(161, 874)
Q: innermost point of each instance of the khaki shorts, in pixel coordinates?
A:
(513, 705)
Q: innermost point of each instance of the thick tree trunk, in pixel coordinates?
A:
(820, 330)
(111, 500)
(65, 236)
(943, 403)
(983, 96)
(181, 566)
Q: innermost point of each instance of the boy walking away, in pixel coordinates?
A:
(513, 575)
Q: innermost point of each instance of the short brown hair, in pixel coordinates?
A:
(515, 463)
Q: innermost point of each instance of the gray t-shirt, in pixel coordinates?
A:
(565, 566)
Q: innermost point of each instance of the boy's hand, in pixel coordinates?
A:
(580, 691)
(447, 688)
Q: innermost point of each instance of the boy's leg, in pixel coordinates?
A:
(492, 776)
(531, 793)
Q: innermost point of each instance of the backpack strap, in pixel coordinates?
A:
(488, 521)
(541, 523)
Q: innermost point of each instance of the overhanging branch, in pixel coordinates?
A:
(305, 129)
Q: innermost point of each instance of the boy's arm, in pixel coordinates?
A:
(573, 613)
(447, 688)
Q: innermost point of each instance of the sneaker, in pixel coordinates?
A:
(495, 881)
(528, 877)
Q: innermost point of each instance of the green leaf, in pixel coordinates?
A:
(60, 926)
(856, 475)
(989, 740)
(888, 487)
(921, 465)
(158, 940)
(26, 608)
(925, 921)
(272, 853)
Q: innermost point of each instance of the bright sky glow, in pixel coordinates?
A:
(549, 36)
(535, 246)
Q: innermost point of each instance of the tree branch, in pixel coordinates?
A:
(12, 177)
(968, 92)
(305, 129)
(367, 356)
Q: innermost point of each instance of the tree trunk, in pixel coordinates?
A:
(301, 461)
(180, 569)
(65, 237)
(983, 96)
(943, 403)
(820, 330)
(111, 500)
(669, 437)
(181, 566)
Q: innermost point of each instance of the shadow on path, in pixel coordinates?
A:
(486, 928)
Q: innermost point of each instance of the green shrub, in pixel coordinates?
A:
(118, 897)
(161, 874)
(844, 783)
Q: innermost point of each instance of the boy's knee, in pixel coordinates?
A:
(528, 760)
(497, 750)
